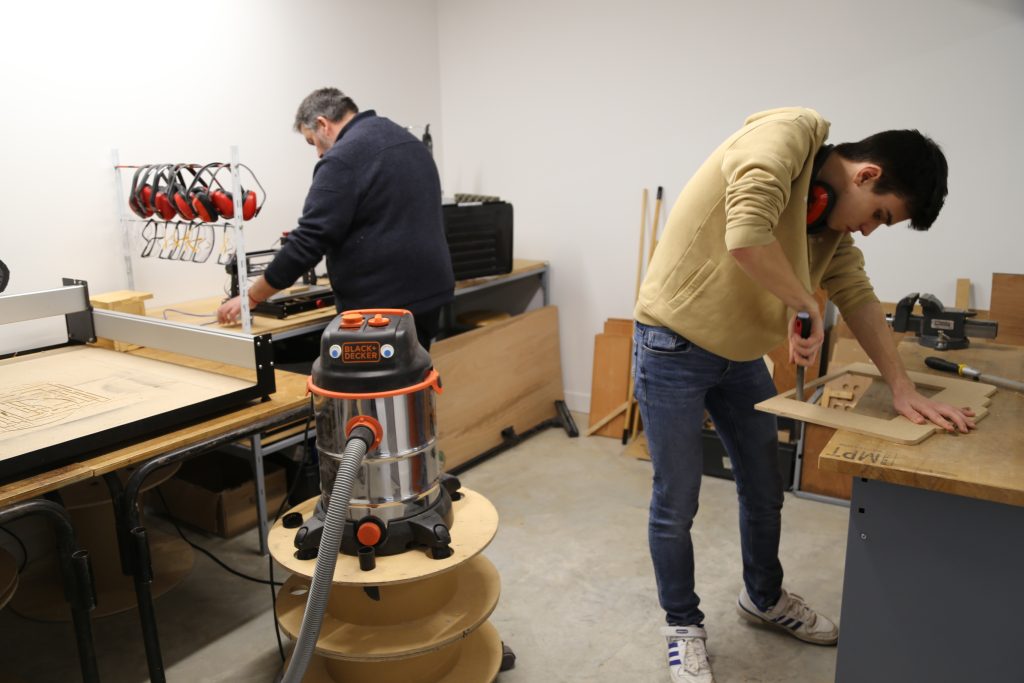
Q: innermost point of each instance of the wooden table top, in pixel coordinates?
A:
(987, 463)
(291, 393)
(262, 324)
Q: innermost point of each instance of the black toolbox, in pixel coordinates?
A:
(479, 238)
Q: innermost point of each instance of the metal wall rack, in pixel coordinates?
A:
(128, 220)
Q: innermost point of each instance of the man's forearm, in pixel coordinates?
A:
(867, 322)
(768, 266)
(260, 290)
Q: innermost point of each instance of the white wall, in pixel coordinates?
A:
(178, 81)
(568, 108)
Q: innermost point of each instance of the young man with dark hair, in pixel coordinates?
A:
(740, 256)
(374, 209)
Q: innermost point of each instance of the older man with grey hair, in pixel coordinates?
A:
(373, 209)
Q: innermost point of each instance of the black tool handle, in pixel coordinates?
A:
(942, 364)
(803, 322)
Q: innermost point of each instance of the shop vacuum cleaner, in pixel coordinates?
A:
(382, 487)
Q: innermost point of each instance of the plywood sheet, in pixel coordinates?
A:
(610, 381)
(58, 396)
(508, 374)
(1008, 307)
(898, 429)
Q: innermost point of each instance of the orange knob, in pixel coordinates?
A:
(378, 321)
(369, 534)
(351, 320)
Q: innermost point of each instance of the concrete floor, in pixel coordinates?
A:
(578, 599)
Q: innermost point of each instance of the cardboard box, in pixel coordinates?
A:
(216, 492)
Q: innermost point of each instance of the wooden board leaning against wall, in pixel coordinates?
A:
(506, 374)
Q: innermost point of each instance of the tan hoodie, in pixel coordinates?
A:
(750, 191)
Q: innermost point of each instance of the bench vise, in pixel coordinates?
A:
(938, 327)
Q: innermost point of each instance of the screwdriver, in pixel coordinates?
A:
(965, 370)
(803, 323)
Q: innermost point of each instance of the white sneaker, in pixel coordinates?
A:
(792, 615)
(687, 654)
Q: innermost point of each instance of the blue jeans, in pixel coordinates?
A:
(675, 381)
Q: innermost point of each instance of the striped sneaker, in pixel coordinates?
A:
(687, 655)
(792, 615)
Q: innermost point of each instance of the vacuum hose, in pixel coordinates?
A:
(334, 525)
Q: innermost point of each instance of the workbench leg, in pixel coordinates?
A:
(76, 574)
(143, 578)
(136, 562)
(261, 490)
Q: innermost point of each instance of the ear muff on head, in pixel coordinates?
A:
(821, 198)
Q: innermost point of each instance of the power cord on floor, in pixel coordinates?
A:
(204, 551)
(24, 551)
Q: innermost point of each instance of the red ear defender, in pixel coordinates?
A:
(198, 195)
(179, 193)
(181, 204)
(134, 202)
(249, 207)
(204, 207)
(224, 202)
(820, 200)
(161, 200)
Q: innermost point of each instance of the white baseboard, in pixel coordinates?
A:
(577, 401)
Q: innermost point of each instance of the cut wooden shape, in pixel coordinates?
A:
(954, 391)
(843, 392)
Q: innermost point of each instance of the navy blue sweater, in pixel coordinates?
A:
(374, 209)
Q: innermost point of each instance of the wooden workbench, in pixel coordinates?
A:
(307, 321)
(935, 549)
(291, 393)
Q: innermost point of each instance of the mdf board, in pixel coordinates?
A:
(814, 479)
(508, 374)
(123, 301)
(56, 405)
(1008, 307)
(610, 381)
(895, 428)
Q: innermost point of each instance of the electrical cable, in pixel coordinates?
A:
(193, 315)
(21, 544)
(306, 452)
(170, 516)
